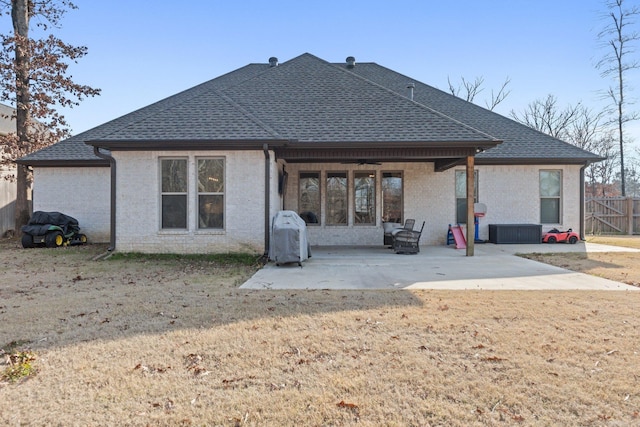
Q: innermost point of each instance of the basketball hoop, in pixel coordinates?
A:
(479, 209)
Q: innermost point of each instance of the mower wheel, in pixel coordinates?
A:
(552, 239)
(54, 239)
(27, 241)
(573, 240)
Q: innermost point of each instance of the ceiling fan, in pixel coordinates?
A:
(361, 162)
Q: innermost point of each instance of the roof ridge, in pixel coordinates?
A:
(204, 88)
(473, 105)
(150, 111)
(248, 114)
(396, 94)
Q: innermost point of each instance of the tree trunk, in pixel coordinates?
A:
(20, 19)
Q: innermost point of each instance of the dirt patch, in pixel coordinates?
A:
(175, 342)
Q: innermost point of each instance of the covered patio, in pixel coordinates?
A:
(307, 162)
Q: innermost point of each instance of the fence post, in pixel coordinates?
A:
(629, 215)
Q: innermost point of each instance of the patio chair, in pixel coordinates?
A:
(393, 227)
(407, 241)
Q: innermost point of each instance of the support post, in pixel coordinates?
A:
(470, 201)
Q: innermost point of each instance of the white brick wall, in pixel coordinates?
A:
(82, 193)
(511, 194)
(138, 204)
(7, 201)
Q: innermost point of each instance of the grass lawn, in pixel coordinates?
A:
(172, 341)
(619, 266)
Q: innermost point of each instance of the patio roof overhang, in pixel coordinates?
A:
(445, 154)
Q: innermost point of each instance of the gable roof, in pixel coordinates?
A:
(520, 142)
(309, 104)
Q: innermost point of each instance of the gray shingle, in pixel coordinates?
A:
(520, 142)
(307, 99)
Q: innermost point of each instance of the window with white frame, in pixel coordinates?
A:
(550, 196)
(461, 195)
(210, 193)
(174, 187)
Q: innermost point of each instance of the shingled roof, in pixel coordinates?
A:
(520, 142)
(310, 103)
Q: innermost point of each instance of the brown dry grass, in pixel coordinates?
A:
(175, 342)
(619, 266)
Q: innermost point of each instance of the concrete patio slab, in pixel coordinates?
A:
(494, 267)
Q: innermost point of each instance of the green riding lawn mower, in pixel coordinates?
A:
(51, 229)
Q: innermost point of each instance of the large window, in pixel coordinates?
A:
(364, 188)
(461, 195)
(210, 193)
(392, 197)
(174, 193)
(309, 197)
(550, 196)
(336, 203)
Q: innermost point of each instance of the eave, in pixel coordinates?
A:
(179, 145)
(538, 160)
(64, 163)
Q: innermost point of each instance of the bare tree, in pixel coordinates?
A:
(589, 131)
(468, 90)
(618, 37)
(33, 78)
(545, 115)
(632, 175)
(579, 126)
(499, 96)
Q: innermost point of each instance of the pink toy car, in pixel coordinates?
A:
(554, 235)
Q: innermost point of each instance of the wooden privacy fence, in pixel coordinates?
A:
(612, 215)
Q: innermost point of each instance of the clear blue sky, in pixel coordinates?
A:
(142, 51)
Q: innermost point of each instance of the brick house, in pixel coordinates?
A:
(349, 145)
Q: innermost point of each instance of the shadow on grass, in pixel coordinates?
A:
(62, 296)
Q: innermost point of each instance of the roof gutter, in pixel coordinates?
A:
(185, 144)
(79, 163)
(267, 198)
(112, 214)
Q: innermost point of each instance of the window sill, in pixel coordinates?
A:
(183, 232)
(212, 231)
(173, 231)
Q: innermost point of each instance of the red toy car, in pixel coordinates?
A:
(554, 235)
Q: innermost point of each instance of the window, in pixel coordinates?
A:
(336, 206)
(550, 196)
(174, 193)
(309, 202)
(392, 197)
(210, 193)
(461, 195)
(365, 197)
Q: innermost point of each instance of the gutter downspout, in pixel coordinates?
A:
(582, 200)
(112, 214)
(267, 198)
